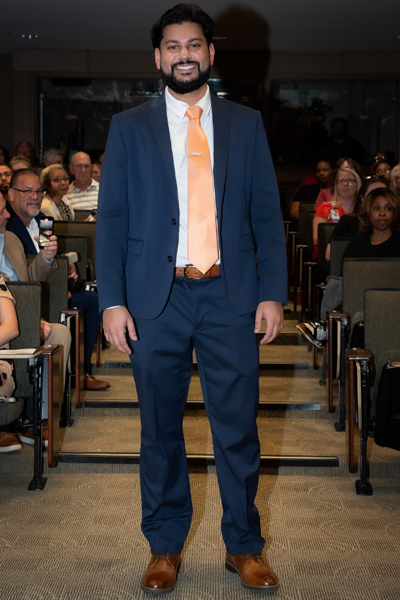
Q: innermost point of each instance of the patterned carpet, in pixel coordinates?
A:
(80, 538)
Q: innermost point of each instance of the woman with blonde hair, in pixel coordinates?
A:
(395, 180)
(55, 182)
(347, 185)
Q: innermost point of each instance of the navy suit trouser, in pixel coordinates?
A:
(90, 302)
(198, 316)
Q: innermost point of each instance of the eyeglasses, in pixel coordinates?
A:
(382, 171)
(30, 193)
(58, 179)
(347, 181)
(5, 175)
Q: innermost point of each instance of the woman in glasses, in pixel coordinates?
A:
(347, 184)
(55, 182)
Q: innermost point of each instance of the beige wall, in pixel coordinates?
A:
(28, 64)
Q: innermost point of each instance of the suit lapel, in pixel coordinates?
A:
(221, 122)
(159, 123)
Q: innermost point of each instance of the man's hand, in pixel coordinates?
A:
(115, 322)
(72, 274)
(272, 312)
(45, 330)
(50, 249)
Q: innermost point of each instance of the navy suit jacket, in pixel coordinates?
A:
(138, 211)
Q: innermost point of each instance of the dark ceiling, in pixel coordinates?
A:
(283, 25)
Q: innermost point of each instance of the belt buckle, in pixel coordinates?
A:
(185, 272)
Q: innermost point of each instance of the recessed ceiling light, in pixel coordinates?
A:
(30, 36)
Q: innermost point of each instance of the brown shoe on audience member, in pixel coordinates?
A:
(253, 571)
(161, 573)
(95, 384)
(28, 438)
(9, 442)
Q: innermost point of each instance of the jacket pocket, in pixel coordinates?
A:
(247, 242)
(135, 247)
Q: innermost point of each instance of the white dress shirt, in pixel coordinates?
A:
(178, 126)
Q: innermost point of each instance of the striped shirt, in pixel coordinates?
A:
(86, 200)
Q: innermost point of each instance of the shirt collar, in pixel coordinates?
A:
(92, 186)
(33, 225)
(179, 107)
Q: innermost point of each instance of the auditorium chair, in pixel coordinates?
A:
(358, 275)
(364, 371)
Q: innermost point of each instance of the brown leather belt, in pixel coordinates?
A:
(193, 273)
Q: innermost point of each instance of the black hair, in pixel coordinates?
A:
(182, 13)
(341, 120)
(20, 173)
(365, 210)
(328, 157)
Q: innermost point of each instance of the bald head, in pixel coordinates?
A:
(80, 167)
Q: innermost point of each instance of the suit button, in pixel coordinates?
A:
(169, 258)
(173, 221)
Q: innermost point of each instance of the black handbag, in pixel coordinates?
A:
(387, 424)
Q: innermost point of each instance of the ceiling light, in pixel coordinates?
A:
(30, 36)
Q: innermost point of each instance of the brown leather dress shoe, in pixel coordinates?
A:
(95, 384)
(253, 571)
(160, 576)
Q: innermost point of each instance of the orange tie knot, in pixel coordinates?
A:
(194, 112)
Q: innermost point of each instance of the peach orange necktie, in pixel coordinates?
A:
(202, 227)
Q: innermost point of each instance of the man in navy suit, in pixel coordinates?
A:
(149, 290)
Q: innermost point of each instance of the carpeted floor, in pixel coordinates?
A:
(80, 538)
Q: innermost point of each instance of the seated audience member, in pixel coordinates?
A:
(383, 171)
(378, 237)
(324, 171)
(96, 170)
(52, 157)
(342, 144)
(327, 195)
(14, 267)
(394, 180)
(8, 331)
(26, 149)
(4, 156)
(5, 177)
(55, 183)
(377, 158)
(101, 157)
(25, 196)
(84, 191)
(349, 224)
(347, 185)
(19, 162)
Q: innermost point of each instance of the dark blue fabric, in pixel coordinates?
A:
(136, 243)
(198, 316)
(138, 211)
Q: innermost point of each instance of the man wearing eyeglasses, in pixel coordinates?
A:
(83, 193)
(25, 196)
(5, 177)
